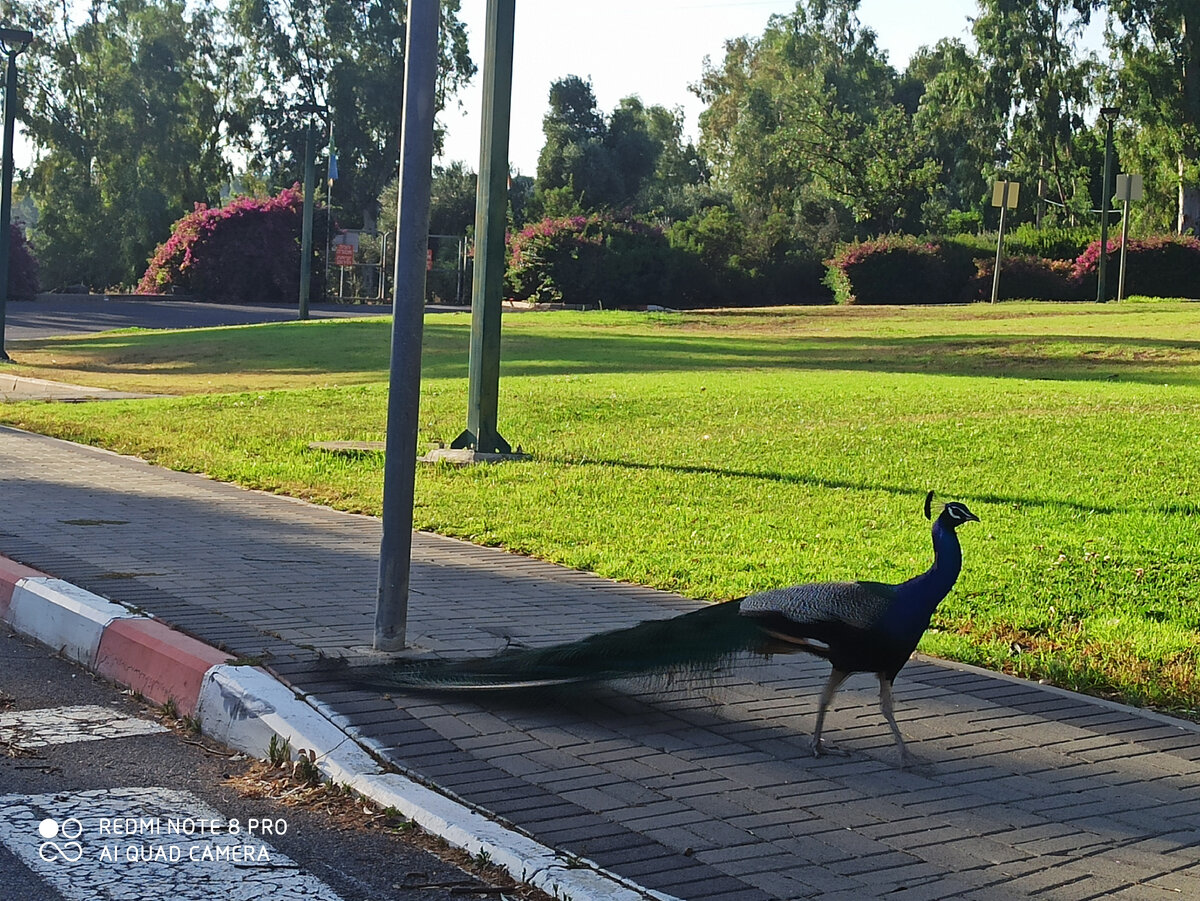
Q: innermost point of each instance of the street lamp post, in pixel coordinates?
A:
(12, 41)
(306, 222)
(1110, 114)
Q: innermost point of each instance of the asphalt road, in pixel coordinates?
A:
(76, 750)
(66, 314)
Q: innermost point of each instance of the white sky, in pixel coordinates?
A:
(651, 48)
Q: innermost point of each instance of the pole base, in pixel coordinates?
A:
(468, 456)
(468, 439)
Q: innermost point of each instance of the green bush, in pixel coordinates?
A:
(1028, 278)
(897, 269)
(1057, 243)
(595, 260)
(1154, 267)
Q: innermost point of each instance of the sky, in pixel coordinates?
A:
(651, 48)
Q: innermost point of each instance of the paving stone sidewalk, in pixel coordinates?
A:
(699, 790)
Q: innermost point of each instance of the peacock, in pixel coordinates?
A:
(859, 627)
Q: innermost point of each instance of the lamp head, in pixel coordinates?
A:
(1110, 112)
(15, 40)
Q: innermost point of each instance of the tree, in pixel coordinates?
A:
(1158, 42)
(807, 121)
(1037, 82)
(126, 116)
(960, 130)
(347, 57)
(628, 160)
(452, 201)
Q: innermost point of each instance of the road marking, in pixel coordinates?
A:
(64, 725)
(150, 843)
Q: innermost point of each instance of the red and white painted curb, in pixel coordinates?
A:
(244, 707)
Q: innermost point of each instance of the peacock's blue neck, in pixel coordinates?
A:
(917, 598)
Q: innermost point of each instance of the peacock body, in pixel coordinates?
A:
(857, 626)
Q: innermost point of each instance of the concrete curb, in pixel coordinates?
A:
(245, 707)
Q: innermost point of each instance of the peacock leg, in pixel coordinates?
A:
(885, 704)
(836, 678)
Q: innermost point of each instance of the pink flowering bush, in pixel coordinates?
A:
(22, 266)
(1155, 267)
(895, 269)
(248, 251)
(597, 260)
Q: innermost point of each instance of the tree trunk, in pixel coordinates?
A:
(1189, 201)
(1189, 154)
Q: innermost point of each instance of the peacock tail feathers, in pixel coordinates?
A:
(696, 641)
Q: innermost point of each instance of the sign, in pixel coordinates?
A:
(429, 260)
(1129, 187)
(1004, 194)
(343, 255)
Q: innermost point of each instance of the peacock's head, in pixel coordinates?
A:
(953, 514)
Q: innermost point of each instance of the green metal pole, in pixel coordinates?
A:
(6, 179)
(1105, 200)
(408, 312)
(306, 230)
(491, 209)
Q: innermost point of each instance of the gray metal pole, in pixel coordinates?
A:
(306, 229)
(491, 211)
(1000, 243)
(6, 179)
(408, 311)
(1105, 201)
(1124, 239)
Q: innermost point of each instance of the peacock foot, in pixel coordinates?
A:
(821, 748)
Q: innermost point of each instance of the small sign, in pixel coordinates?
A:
(343, 255)
(429, 260)
(1129, 187)
(1004, 193)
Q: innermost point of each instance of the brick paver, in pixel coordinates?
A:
(703, 788)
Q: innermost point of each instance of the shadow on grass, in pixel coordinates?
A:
(361, 348)
(917, 492)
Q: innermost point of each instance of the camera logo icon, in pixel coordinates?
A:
(69, 829)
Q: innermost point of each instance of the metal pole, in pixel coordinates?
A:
(1105, 200)
(329, 215)
(491, 209)
(6, 179)
(1124, 239)
(310, 178)
(408, 310)
(1000, 243)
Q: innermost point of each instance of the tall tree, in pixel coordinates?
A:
(1158, 42)
(808, 118)
(1037, 79)
(628, 159)
(961, 130)
(347, 56)
(125, 113)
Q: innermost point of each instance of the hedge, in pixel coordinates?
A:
(22, 265)
(909, 270)
(892, 270)
(1154, 267)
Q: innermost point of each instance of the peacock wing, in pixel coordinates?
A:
(858, 605)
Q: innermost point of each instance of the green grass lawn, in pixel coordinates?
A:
(719, 454)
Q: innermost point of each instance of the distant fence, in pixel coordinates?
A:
(362, 264)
